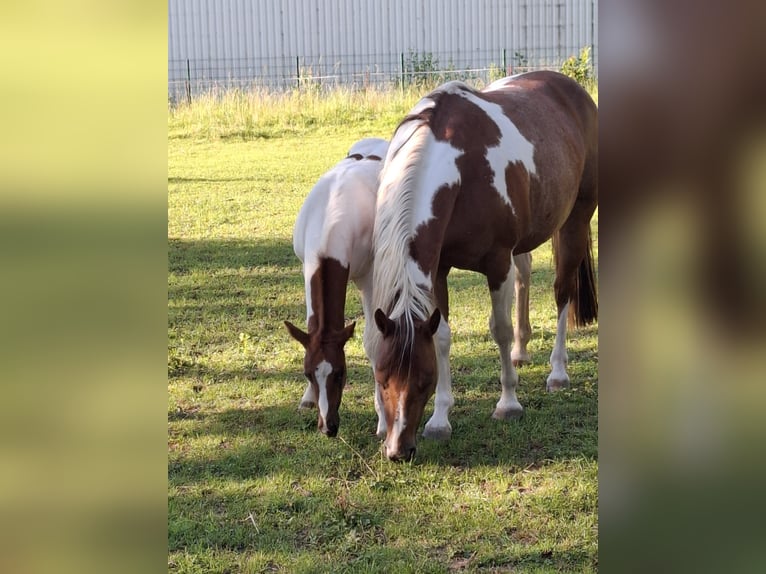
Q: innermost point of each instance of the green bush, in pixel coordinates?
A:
(580, 68)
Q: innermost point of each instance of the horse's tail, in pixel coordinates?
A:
(583, 299)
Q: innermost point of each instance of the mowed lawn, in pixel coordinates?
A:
(252, 485)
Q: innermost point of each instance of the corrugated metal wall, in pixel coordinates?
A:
(273, 42)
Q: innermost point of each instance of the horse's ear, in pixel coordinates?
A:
(433, 322)
(347, 332)
(385, 325)
(297, 334)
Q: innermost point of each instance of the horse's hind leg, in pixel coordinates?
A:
(523, 331)
(501, 327)
(572, 254)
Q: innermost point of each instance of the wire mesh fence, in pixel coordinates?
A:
(188, 77)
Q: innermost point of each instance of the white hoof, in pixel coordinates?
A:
(434, 432)
(520, 359)
(307, 405)
(508, 412)
(556, 384)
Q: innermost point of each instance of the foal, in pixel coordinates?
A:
(333, 240)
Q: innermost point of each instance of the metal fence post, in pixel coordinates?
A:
(188, 81)
(401, 62)
(298, 70)
(505, 63)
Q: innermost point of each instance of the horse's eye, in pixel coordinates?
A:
(339, 376)
(308, 376)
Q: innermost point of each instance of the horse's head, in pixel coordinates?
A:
(324, 365)
(406, 371)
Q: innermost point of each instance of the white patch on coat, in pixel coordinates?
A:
(512, 147)
(337, 216)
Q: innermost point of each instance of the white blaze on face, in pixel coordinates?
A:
(400, 423)
(322, 372)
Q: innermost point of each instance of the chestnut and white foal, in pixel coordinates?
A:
(333, 239)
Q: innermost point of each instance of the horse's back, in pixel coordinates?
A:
(369, 148)
(560, 119)
(504, 165)
(337, 216)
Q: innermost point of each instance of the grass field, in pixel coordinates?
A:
(252, 486)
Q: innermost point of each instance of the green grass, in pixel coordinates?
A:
(252, 486)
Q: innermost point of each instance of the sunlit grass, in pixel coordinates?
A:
(258, 113)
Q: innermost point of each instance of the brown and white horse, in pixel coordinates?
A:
(470, 178)
(333, 239)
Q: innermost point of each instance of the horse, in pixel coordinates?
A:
(472, 178)
(333, 239)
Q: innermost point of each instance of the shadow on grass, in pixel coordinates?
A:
(175, 180)
(185, 256)
(269, 438)
(252, 285)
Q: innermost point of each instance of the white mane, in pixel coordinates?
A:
(401, 288)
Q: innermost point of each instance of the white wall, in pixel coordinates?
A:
(272, 40)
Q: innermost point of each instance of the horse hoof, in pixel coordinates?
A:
(306, 405)
(508, 413)
(437, 433)
(521, 360)
(554, 385)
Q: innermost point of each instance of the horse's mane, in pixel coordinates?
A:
(401, 289)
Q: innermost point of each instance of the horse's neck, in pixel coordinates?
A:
(327, 290)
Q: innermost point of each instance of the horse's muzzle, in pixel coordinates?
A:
(402, 455)
(331, 430)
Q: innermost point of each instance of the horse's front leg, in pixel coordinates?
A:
(501, 327)
(309, 398)
(364, 284)
(438, 426)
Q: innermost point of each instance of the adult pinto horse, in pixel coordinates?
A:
(471, 178)
(333, 239)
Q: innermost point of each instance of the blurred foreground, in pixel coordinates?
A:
(683, 280)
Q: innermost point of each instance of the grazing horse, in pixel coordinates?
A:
(471, 178)
(333, 240)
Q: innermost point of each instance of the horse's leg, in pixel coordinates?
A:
(571, 250)
(501, 327)
(559, 379)
(438, 426)
(309, 398)
(365, 287)
(523, 331)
